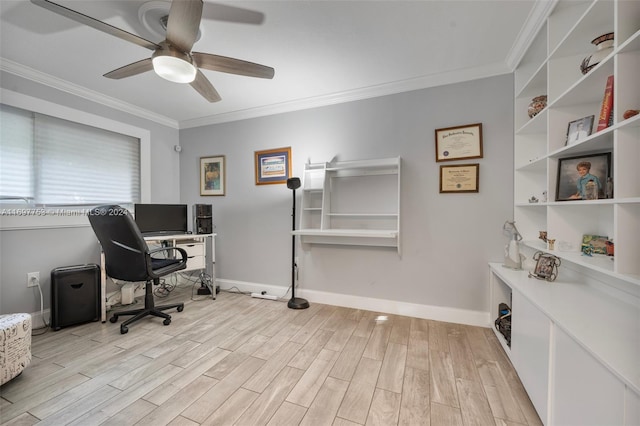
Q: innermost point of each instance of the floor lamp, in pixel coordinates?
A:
(295, 302)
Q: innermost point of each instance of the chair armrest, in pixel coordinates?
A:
(173, 267)
(182, 252)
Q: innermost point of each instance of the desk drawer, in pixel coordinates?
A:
(192, 249)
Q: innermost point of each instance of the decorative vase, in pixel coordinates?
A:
(537, 104)
(604, 46)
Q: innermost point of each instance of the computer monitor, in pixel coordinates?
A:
(159, 219)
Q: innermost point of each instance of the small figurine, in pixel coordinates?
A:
(544, 196)
(543, 236)
(533, 199)
(551, 243)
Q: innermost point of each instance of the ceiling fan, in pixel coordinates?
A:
(172, 59)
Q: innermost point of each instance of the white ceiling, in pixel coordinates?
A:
(323, 52)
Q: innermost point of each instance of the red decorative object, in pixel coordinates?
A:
(610, 248)
(606, 111)
(630, 113)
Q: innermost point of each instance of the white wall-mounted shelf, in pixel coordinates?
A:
(352, 203)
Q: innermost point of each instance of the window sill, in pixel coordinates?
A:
(43, 221)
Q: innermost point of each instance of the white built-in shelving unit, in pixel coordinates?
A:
(352, 203)
(575, 342)
(551, 67)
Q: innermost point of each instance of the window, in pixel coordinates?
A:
(49, 161)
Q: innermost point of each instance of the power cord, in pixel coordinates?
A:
(44, 321)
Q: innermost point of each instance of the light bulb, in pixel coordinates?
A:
(174, 69)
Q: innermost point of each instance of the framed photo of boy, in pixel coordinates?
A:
(212, 175)
(575, 175)
(273, 166)
(579, 129)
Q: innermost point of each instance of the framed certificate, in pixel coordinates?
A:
(459, 178)
(273, 166)
(459, 143)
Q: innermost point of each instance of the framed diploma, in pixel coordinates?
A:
(459, 143)
(459, 178)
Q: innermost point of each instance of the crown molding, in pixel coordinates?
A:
(418, 83)
(36, 76)
(424, 82)
(536, 19)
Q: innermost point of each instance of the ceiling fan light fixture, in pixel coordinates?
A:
(174, 69)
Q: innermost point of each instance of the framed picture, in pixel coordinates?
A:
(212, 175)
(273, 166)
(583, 177)
(579, 129)
(459, 143)
(594, 244)
(459, 178)
(546, 266)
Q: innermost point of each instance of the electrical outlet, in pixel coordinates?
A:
(33, 279)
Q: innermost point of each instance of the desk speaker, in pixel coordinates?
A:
(75, 295)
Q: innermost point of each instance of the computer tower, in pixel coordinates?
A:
(202, 219)
(75, 295)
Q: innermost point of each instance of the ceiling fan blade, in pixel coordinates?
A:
(131, 69)
(205, 88)
(231, 65)
(183, 23)
(94, 23)
(222, 12)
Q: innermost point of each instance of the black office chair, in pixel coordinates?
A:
(128, 258)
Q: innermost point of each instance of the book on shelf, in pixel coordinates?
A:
(606, 111)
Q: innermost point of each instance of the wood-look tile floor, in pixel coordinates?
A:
(244, 361)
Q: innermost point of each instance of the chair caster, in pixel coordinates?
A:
(124, 329)
(167, 321)
(113, 319)
(180, 308)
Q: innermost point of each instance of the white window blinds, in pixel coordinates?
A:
(74, 164)
(16, 153)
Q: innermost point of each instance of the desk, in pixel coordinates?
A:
(200, 250)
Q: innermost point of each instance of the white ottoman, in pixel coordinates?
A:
(15, 345)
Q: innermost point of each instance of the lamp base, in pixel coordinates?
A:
(298, 303)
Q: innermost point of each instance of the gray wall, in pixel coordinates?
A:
(447, 239)
(23, 251)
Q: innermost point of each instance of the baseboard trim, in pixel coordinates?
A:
(37, 318)
(437, 313)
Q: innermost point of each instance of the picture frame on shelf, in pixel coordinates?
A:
(580, 129)
(459, 178)
(459, 142)
(546, 266)
(594, 244)
(213, 175)
(273, 166)
(574, 174)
